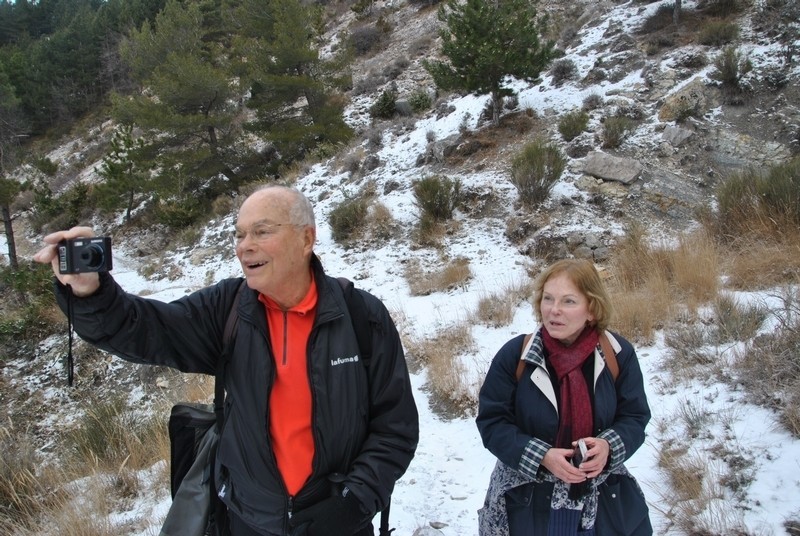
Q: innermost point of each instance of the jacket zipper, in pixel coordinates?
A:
(285, 336)
(271, 380)
(289, 512)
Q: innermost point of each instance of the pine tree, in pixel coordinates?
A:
(188, 99)
(124, 171)
(295, 93)
(487, 40)
(12, 127)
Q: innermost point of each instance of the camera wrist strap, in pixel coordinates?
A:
(70, 359)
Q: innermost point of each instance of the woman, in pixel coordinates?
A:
(532, 414)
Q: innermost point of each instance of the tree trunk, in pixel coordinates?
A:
(130, 206)
(12, 247)
(497, 105)
(224, 168)
(676, 12)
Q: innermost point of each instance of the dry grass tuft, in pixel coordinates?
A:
(380, 222)
(757, 218)
(111, 436)
(686, 350)
(651, 283)
(453, 274)
(84, 509)
(498, 308)
(734, 320)
(755, 262)
(110, 444)
(447, 375)
(769, 366)
(700, 478)
(695, 267)
(26, 490)
(639, 313)
(682, 470)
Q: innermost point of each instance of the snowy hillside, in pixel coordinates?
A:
(446, 482)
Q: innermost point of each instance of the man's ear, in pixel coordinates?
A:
(309, 238)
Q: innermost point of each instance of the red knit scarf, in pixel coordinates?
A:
(575, 419)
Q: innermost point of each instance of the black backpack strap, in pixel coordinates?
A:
(360, 318)
(384, 529)
(358, 313)
(218, 518)
(231, 325)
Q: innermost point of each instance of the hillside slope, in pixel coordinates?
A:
(647, 77)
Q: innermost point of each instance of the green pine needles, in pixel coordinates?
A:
(486, 42)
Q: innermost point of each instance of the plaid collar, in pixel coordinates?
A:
(535, 355)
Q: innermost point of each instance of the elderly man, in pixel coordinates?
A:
(313, 440)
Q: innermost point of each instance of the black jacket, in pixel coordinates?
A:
(364, 428)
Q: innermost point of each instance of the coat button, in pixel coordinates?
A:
(613, 495)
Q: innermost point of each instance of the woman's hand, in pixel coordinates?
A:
(557, 461)
(84, 284)
(597, 453)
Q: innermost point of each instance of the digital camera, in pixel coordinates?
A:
(81, 255)
(579, 454)
(577, 491)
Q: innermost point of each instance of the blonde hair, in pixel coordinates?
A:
(584, 276)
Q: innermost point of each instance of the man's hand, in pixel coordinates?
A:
(340, 515)
(84, 284)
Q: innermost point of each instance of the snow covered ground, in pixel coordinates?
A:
(445, 484)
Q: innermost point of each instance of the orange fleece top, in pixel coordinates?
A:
(290, 399)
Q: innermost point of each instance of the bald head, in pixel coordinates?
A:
(290, 201)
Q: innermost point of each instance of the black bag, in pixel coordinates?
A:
(196, 510)
(194, 430)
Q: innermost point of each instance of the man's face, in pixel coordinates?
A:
(273, 252)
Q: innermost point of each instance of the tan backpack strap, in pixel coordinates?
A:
(610, 355)
(522, 362)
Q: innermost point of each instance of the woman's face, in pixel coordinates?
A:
(565, 310)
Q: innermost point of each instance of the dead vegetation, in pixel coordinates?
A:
(685, 289)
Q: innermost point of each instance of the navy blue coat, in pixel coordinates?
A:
(518, 422)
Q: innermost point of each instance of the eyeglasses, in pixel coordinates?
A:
(260, 232)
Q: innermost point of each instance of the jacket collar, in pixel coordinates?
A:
(535, 351)
(534, 354)
(328, 306)
(540, 375)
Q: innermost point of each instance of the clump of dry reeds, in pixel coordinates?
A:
(446, 373)
(452, 273)
(652, 283)
(498, 308)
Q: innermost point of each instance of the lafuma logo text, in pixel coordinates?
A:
(343, 360)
